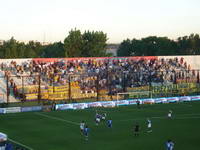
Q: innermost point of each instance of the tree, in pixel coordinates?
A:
(94, 44)
(73, 44)
(10, 48)
(21, 48)
(88, 44)
(149, 46)
(125, 48)
(54, 50)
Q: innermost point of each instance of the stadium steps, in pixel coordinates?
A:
(3, 92)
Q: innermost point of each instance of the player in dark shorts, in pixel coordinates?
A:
(136, 129)
(138, 104)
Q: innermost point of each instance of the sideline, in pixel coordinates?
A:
(29, 148)
(56, 118)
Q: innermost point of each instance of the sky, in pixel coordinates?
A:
(51, 20)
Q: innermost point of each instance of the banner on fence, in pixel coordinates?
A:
(172, 99)
(147, 101)
(195, 98)
(94, 104)
(185, 99)
(122, 102)
(64, 106)
(80, 106)
(133, 102)
(12, 109)
(108, 104)
(2, 110)
(29, 109)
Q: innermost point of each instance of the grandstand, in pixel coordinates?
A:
(96, 78)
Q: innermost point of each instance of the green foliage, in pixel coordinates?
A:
(55, 50)
(15, 49)
(73, 44)
(93, 44)
(125, 48)
(154, 46)
(88, 44)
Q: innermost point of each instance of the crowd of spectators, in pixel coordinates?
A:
(112, 75)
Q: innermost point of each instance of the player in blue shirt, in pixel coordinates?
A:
(169, 145)
(86, 132)
(109, 123)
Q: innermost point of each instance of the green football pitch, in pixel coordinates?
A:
(59, 130)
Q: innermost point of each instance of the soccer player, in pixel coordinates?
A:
(103, 117)
(169, 145)
(169, 115)
(149, 125)
(109, 123)
(136, 129)
(172, 145)
(97, 119)
(82, 126)
(86, 132)
(138, 104)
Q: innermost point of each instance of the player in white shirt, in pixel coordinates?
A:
(149, 125)
(169, 115)
(97, 119)
(82, 126)
(103, 117)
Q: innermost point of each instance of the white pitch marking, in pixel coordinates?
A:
(56, 118)
(20, 144)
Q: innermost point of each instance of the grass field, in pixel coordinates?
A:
(59, 130)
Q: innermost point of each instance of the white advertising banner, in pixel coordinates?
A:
(122, 102)
(64, 106)
(12, 109)
(148, 101)
(108, 104)
(80, 106)
(185, 99)
(94, 104)
(172, 99)
(2, 110)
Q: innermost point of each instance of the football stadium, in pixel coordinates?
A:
(108, 103)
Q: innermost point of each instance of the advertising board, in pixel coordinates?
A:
(64, 106)
(2, 110)
(94, 104)
(122, 102)
(12, 109)
(80, 106)
(184, 99)
(29, 109)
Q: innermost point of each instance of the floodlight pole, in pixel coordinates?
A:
(39, 88)
(8, 89)
(23, 88)
(69, 87)
(97, 87)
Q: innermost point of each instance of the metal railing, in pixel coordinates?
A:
(97, 86)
